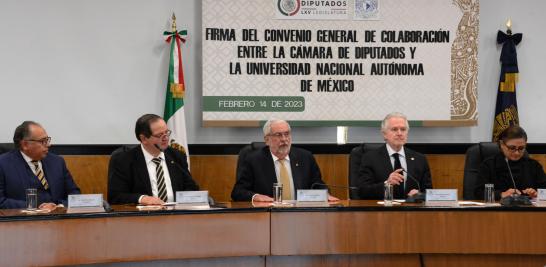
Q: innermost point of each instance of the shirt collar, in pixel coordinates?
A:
(27, 158)
(275, 158)
(148, 157)
(391, 151)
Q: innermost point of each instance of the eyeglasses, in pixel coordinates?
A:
(44, 141)
(515, 149)
(163, 134)
(279, 135)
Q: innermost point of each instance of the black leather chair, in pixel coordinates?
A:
(244, 152)
(114, 153)
(6, 147)
(355, 158)
(475, 155)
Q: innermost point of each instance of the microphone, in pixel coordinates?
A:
(159, 148)
(515, 199)
(419, 197)
(413, 178)
(511, 176)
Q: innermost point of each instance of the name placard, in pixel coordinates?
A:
(192, 199)
(312, 195)
(312, 198)
(85, 203)
(441, 197)
(541, 197)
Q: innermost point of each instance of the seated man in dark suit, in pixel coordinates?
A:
(151, 173)
(393, 163)
(31, 166)
(278, 162)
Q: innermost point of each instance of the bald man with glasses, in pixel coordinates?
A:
(31, 165)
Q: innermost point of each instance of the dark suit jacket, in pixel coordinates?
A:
(257, 173)
(16, 176)
(130, 178)
(494, 170)
(376, 167)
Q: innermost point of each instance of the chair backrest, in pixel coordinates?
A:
(244, 152)
(355, 158)
(6, 147)
(475, 155)
(114, 153)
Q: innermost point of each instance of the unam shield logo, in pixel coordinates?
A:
(289, 7)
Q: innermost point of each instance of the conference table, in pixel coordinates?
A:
(347, 233)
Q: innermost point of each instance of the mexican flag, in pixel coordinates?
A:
(174, 100)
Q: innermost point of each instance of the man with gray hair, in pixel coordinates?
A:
(31, 165)
(405, 169)
(278, 162)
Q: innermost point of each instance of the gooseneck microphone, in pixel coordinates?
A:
(418, 197)
(515, 199)
(511, 176)
(413, 178)
(159, 148)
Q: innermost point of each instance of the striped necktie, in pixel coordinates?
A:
(161, 188)
(285, 180)
(40, 174)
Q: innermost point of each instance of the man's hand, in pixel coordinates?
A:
(262, 198)
(413, 192)
(396, 177)
(48, 206)
(332, 198)
(148, 200)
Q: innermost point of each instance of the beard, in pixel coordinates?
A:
(284, 149)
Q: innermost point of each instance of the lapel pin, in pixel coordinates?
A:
(412, 158)
(297, 164)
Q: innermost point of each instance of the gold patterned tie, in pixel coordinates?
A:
(40, 174)
(285, 180)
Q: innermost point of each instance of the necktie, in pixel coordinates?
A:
(397, 166)
(161, 188)
(40, 175)
(285, 180)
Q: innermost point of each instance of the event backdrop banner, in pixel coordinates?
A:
(340, 62)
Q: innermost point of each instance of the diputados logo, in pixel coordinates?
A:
(289, 7)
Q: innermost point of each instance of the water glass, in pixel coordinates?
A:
(32, 199)
(389, 195)
(277, 193)
(489, 194)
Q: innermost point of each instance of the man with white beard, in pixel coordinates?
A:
(278, 162)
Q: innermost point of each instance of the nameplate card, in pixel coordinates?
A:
(541, 197)
(186, 199)
(312, 197)
(85, 203)
(441, 197)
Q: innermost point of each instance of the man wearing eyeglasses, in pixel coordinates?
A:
(278, 162)
(32, 166)
(151, 173)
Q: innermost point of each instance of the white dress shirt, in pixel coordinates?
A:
(153, 176)
(402, 157)
(289, 170)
